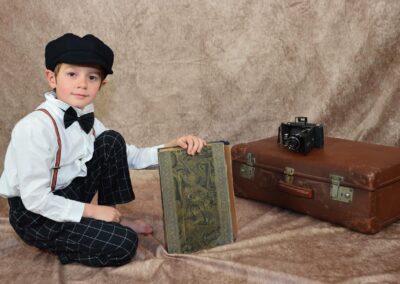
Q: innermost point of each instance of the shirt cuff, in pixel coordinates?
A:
(160, 146)
(76, 211)
(154, 163)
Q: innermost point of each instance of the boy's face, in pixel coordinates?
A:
(76, 85)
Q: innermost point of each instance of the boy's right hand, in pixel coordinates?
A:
(191, 143)
(101, 212)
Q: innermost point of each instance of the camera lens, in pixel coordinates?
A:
(293, 143)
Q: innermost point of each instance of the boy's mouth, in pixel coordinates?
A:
(80, 95)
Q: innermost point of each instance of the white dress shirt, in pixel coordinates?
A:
(31, 155)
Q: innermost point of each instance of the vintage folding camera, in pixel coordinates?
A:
(301, 136)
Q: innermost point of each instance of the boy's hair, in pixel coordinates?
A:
(102, 75)
(73, 49)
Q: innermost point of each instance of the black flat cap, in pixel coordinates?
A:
(73, 49)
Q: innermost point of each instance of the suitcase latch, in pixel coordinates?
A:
(251, 160)
(289, 175)
(247, 170)
(338, 192)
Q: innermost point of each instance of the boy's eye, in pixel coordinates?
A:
(93, 77)
(71, 74)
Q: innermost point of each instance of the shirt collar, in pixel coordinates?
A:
(51, 98)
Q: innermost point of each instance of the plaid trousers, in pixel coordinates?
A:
(91, 242)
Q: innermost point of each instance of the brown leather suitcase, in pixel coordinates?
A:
(353, 184)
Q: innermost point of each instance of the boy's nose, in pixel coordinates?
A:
(82, 83)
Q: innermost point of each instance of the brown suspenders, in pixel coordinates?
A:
(58, 156)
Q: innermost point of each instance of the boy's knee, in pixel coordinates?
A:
(111, 137)
(128, 247)
(112, 134)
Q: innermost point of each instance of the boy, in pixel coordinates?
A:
(60, 156)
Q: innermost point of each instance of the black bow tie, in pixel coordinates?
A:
(86, 121)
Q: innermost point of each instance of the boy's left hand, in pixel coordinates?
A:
(191, 143)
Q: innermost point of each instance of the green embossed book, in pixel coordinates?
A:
(197, 198)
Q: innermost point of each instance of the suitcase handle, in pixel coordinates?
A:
(295, 190)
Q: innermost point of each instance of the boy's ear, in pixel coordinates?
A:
(51, 78)
(104, 82)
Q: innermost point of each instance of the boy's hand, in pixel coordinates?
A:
(191, 143)
(101, 212)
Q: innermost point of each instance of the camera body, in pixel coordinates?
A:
(301, 136)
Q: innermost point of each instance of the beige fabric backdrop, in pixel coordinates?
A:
(222, 69)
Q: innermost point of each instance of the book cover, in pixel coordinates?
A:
(198, 201)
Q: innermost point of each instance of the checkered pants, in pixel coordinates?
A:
(91, 242)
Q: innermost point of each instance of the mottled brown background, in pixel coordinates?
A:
(222, 69)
